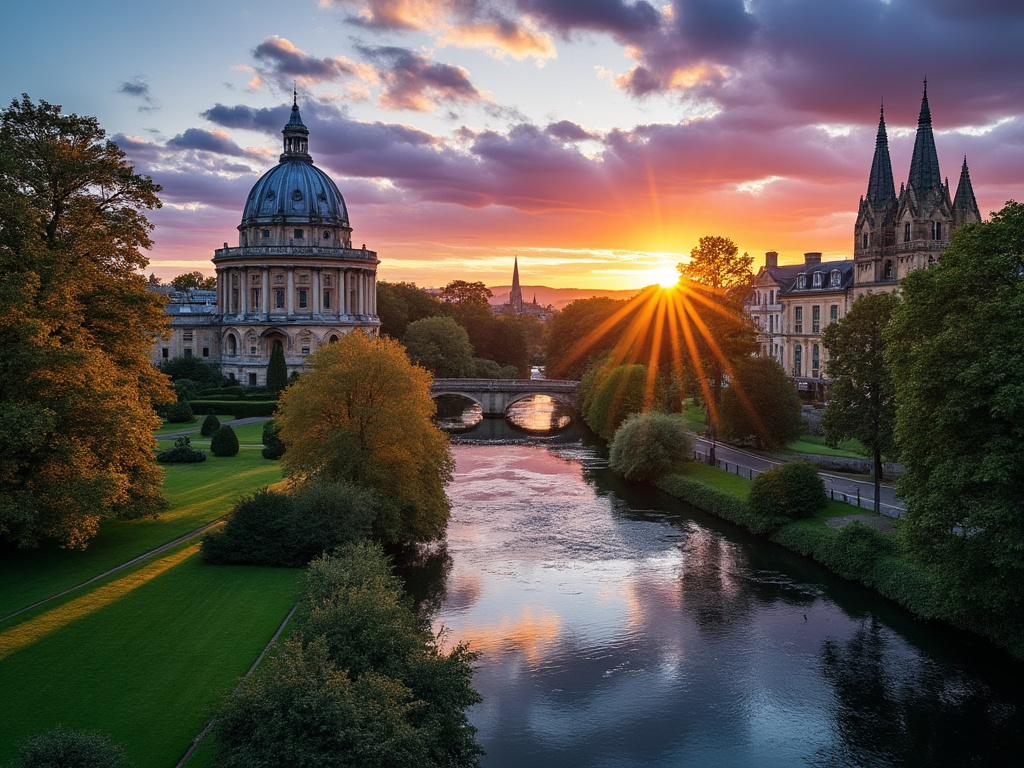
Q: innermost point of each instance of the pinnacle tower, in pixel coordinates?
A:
(924, 163)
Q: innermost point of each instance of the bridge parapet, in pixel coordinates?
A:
(495, 395)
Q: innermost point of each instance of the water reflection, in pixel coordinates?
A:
(456, 413)
(616, 630)
(539, 413)
(534, 415)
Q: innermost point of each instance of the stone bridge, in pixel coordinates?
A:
(494, 396)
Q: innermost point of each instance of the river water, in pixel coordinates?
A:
(618, 627)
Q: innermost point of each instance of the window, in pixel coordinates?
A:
(815, 319)
(188, 351)
(866, 238)
(836, 278)
(906, 232)
(298, 234)
(305, 350)
(278, 299)
(815, 360)
(771, 297)
(887, 270)
(265, 234)
(302, 299)
(252, 379)
(187, 336)
(327, 299)
(798, 320)
(833, 313)
(327, 235)
(232, 345)
(936, 230)
(801, 280)
(206, 351)
(255, 298)
(165, 353)
(333, 339)
(798, 355)
(252, 350)
(327, 280)
(817, 279)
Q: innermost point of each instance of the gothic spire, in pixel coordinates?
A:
(965, 206)
(924, 164)
(881, 186)
(515, 296)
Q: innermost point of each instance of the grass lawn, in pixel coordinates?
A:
(850, 449)
(199, 494)
(148, 666)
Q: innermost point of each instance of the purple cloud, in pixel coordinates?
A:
(412, 81)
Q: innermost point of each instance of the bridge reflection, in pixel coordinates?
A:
(495, 396)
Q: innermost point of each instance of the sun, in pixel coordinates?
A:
(667, 276)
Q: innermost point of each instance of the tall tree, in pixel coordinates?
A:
(277, 369)
(957, 356)
(581, 334)
(440, 345)
(760, 405)
(861, 402)
(461, 292)
(190, 281)
(362, 414)
(399, 304)
(76, 326)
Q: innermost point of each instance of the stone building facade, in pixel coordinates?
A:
(294, 279)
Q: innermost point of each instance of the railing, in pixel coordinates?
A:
(246, 251)
(540, 386)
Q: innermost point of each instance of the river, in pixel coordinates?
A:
(619, 627)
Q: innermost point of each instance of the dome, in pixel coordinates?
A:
(295, 191)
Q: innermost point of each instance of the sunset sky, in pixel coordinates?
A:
(596, 139)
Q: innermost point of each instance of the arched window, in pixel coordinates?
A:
(836, 278)
(867, 239)
(798, 354)
(906, 232)
(817, 279)
(334, 339)
(232, 345)
(887, 270)
(801, 280)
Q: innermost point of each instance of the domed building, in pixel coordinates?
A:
(294, 278)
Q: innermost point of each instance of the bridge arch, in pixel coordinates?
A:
(495, 396)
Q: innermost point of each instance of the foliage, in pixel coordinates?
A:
(210, 424)
(440, 345)
(789, 491)
(193, 369)
(178, 413)
(268, 528)
(224, 441)
(703, 496)
(649, 445)
(501, 338)
(362, 414)
(399, 304)
(862, 403)
(239, 409)
(957, 358)
(616, 393)
(575, 340)
(190, 281)
(760, 407)
(360, 682)
(481, 368)
(460, 292)
(181, 453)
(61, 748)
(273, 446)
(277, 369)
(716, 263)
(76, 326)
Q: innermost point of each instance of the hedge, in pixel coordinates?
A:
(704, 497)
(241, 409)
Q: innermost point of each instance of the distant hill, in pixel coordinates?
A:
(557, 297)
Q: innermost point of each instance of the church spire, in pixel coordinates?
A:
(924, 164)
(881, 187)
(515, 296)
(965, 206)
(296, 135)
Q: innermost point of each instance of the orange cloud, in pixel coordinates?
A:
(500, 39)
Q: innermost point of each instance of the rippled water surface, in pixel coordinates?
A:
(616, 628)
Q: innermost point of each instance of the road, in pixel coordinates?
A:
(852, 491)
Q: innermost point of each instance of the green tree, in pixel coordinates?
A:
(460, 292)
(789, 491)
(760, 406)
(582, 333)
(191, 369)
(440, 345)
(649, 445)
(273, 447)
(76, 327)
(210, 425)
(61, 748)
(861, 402)
(191, 281)
(399, 304)
(362, 414)
(957, 356)
(224, 441)
(277, 369)
(617, 393)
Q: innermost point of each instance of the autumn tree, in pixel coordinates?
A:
(957, 356)
(862, 398)
(76, 325)
(362, 414)
(191, 281)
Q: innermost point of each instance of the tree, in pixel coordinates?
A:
(649, 445)
(957, 358)
(861, 403)
(273, 448)
(277, 369)
(191, 369)
(616, 393)
(76, 326)
(362, 414)
(399, 304)
(224, 441)
(760, 406)
(460, 292)
(574, 343)
(191, 281)
(61, 748)
(440, 345)
(789, 491)
(210, 425)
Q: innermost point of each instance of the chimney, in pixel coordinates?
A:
(771, 259)
(813, 258)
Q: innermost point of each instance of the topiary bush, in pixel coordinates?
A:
(790, 491)
(649, 445)
(181, 453)
(210, 424)
(273, 446)
(224, 442)
(60, 748)
(179, 413)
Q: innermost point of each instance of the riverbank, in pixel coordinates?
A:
(855, 551)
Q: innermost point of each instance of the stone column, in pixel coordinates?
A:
(243, 293)
(265, 303)
(317, 300)
(360, 293)
(343, 292)
(289, 299)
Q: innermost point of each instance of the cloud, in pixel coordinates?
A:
(501, 36)
(395, 14)
(138, 88)
(217, 142)
(566, 130)
(412, 81)
(279, 60)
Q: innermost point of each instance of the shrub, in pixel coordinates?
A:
(239, 408)
(617, 393)
(224, 442)
(649, 445)
(257, 532)
(179, 413)
(210, 424)
(277, 370)
(705, 497)
(273, 446)
(181, 453)
(787, 492)
(61, 748)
